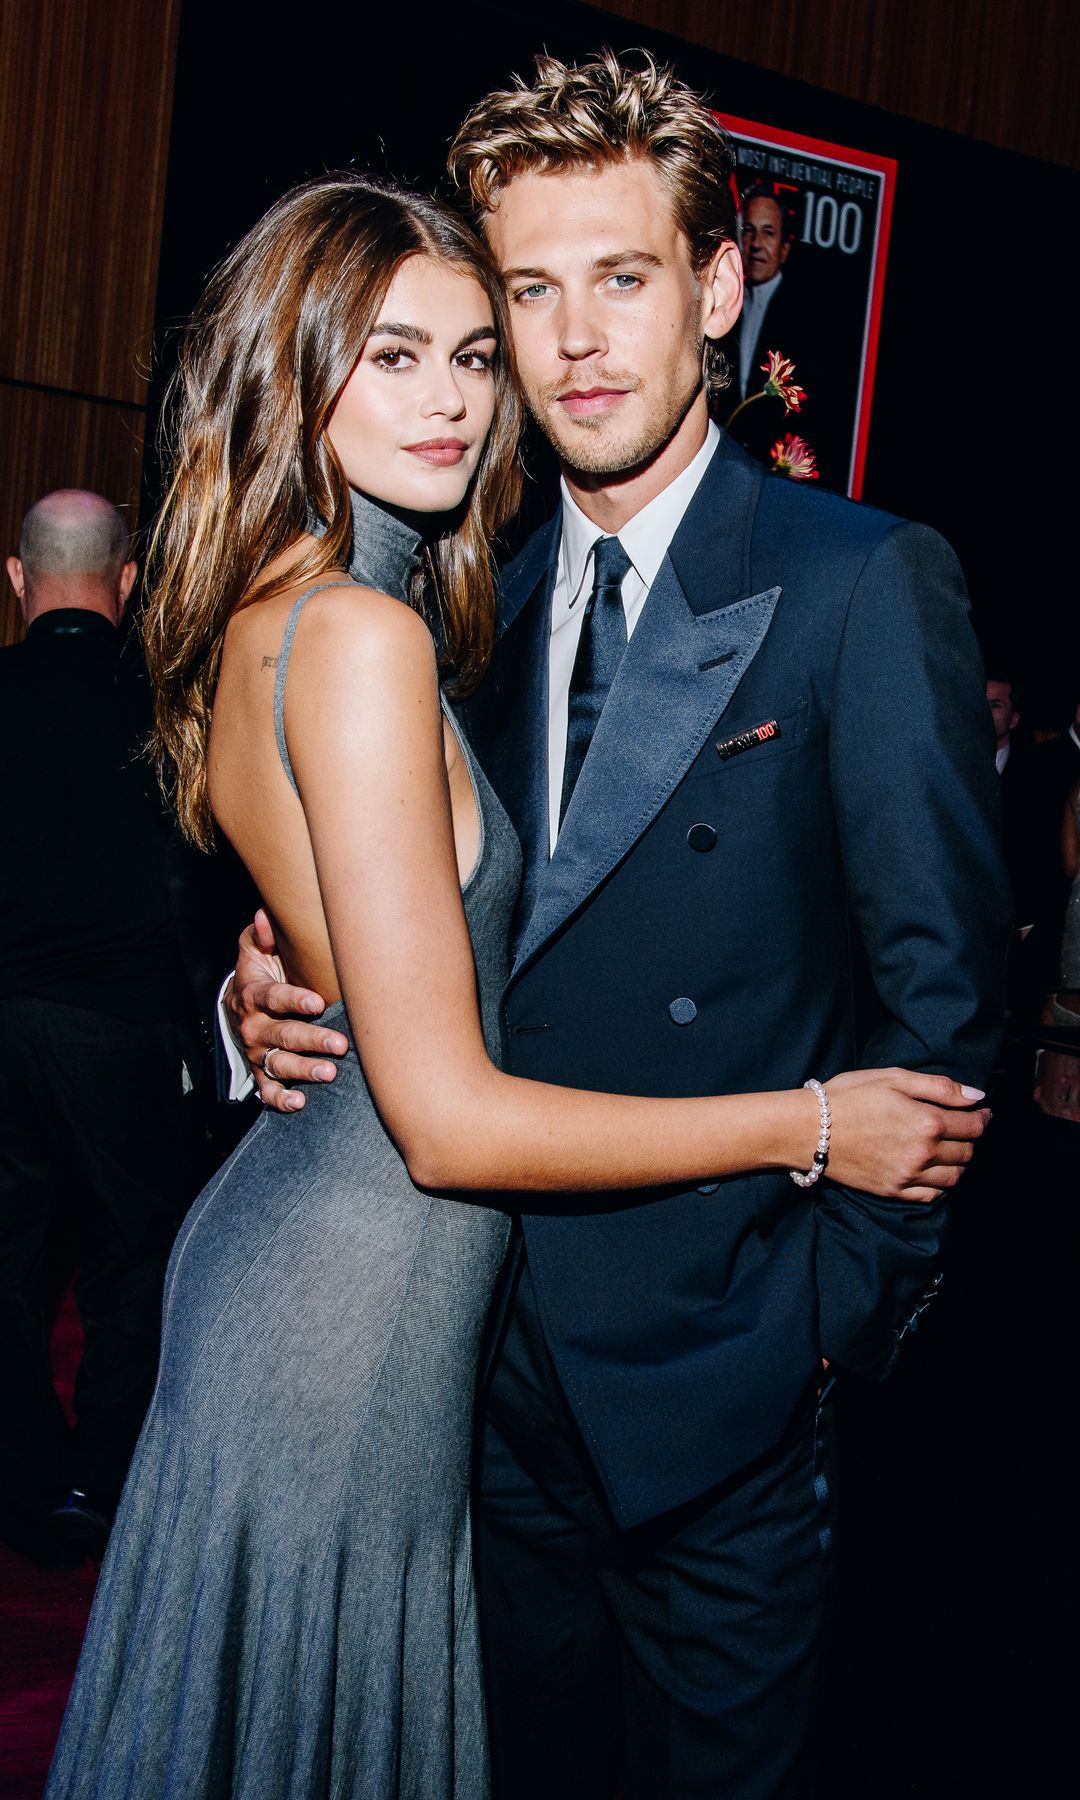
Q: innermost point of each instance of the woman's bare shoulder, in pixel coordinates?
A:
(357, 623)
(362, 677)
(341, 618)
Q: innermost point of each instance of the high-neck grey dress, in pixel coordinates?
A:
(286, 1607)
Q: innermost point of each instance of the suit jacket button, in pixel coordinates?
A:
(683, 1011)
(701, 837)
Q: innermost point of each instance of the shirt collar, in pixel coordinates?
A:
(645, 537)
(71, 621)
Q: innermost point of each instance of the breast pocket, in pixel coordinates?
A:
(737, 745)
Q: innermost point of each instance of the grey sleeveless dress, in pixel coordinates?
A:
(286, 1607)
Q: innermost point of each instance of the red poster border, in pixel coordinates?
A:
(886, 167)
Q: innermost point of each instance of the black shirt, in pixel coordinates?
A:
(84, 904)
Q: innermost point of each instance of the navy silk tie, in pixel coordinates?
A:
(599, 652)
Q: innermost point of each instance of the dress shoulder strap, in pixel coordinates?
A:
(283, 663)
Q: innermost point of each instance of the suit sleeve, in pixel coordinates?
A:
(916, 803)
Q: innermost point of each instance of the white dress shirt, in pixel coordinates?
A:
(755, 306)
(241, 1080)
(645, 538)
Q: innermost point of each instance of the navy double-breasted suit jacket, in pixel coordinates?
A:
(699, 929)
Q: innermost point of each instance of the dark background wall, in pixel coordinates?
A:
(992, 70)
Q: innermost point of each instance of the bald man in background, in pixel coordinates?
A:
(91, 1115)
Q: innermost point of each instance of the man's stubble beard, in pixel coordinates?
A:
(587, 453)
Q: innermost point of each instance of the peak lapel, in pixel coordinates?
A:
(676, 679)
(701, 627)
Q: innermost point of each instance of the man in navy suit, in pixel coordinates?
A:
(741, 730)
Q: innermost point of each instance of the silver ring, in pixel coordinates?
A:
(266, 1055)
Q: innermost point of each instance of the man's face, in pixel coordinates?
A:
(763, 246)
(999, 700)
(608, 315)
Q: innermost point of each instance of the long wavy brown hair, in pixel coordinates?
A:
(265, 357)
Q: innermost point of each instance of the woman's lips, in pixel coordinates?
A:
(444, 452)
(581, 402)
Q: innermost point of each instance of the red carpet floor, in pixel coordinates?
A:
(43, 1615)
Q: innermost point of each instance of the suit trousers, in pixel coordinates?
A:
(681, 1656)
(92, 1125)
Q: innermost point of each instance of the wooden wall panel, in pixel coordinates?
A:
(85, 107)
(85, 104)
(1007, 74)
(52, 440)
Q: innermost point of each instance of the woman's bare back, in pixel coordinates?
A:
(253, 801)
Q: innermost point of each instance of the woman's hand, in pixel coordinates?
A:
(900, 1134)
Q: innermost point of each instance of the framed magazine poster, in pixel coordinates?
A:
(813, 223)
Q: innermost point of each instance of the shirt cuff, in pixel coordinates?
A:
(241, 1080)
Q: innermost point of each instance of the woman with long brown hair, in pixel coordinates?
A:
(286, 1607)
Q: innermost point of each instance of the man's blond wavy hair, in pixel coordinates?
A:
(607, 111)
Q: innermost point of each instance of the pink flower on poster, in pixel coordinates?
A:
(793, 458)
(779, 386)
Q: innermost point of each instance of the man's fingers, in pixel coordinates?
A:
(278, 1098)
(280, 998)
(260, 1034)
(287, 1067)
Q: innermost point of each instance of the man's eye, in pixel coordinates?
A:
(624, 283)
(535, 291)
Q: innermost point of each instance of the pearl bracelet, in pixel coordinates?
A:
(821, 1154)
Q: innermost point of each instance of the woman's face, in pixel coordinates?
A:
(410, 423)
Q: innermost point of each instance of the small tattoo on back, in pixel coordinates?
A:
(269, 662)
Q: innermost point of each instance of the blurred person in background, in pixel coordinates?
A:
(92, 1049)
(1070, 860)
(1025, 984)
(1057, 1080)
(1003, 710)
(1054, 770)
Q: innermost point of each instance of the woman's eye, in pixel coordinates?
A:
(477, 360)
(393, 358)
